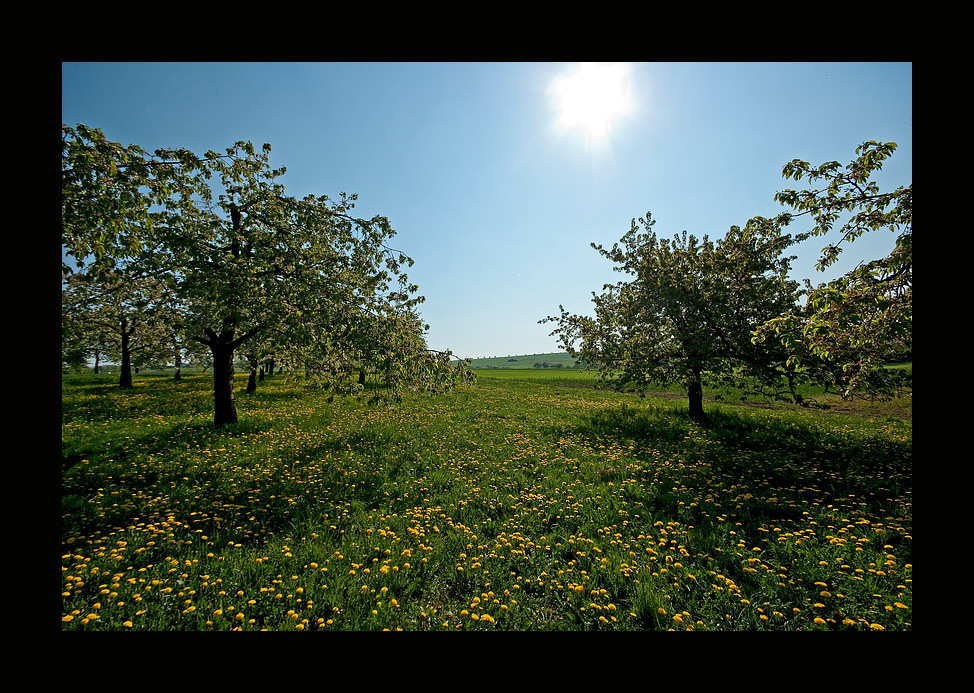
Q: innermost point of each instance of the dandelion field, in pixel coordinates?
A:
(517, 503)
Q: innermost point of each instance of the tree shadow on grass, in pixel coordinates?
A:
(140, 467)
(784, 451)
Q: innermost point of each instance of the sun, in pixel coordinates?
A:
(592, 97)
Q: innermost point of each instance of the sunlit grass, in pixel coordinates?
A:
(515, 504)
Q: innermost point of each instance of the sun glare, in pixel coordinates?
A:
(592, 97)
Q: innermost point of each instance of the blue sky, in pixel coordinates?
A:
(490, 192)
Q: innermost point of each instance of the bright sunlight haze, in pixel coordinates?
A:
(592, 96)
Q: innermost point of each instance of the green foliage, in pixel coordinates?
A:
(689, 309)
(118, 202)
(848, 327)
(249, 268)
(123, 317)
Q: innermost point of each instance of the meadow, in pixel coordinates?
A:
(527, 501)
(555, 360)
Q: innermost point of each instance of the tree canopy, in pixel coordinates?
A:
(695, 309)
(250, 265)
(858, 322)
(687, 312)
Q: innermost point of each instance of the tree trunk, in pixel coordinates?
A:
(225, 409)
(125, 379)
(252, 380)
(695, 395)
(178, 362)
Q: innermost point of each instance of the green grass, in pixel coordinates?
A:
(519, 503)
(555, 361)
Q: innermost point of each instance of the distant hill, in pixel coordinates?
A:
(557, 360)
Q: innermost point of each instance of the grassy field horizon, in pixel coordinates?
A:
(557, 359)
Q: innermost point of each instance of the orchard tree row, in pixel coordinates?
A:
(172, 255)
(696, 311)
